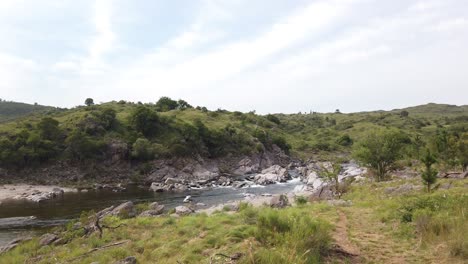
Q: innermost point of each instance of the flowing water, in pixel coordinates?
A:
(20, 218)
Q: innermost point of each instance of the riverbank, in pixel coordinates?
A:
(31, 192)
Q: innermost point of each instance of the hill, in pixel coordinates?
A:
(13, 110)
(124, 132)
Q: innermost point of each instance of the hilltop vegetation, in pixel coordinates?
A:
(170, 128)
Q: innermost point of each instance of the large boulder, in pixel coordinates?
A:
(47, 239)
(272, 175)
(154, 210)
(183, 210)
(279, 201)
(313, 180)
(245, 166)
(126, 209)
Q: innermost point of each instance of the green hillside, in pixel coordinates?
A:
(13, 110)
(172, 128)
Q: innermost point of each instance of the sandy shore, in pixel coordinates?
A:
(19, 191)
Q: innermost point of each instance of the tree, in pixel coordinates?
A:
(165, 104)
(49, 129)
(380, 150)
(89, 102)
(404, 113)
(462, 152)
(181, 104)
(429, 176)
(145, 121)
(332, 175)
(82, 147)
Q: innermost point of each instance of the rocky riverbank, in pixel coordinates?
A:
(35, 193)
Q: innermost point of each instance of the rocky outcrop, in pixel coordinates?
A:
(183, 210)
(279, 201)
(272, 175)
(13, 244)
(125, 210)
(155, 209)
(47, 239)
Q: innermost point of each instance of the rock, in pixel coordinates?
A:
(156, 187)
(127, 260)
(340, 203)
(200, 205)
(47, 239)
(324, 192)
(169, 181)
(105, 211)
(12, 244)
(272, 175)
(188, 199)
(154, 210)
(149, 213)
(314, 180)
(126, 209)
(156, 206)
(246, 166)
(57, 191)
(279, 201)
(183, 210)
(266, 194)
(59, 242)
(464, 175)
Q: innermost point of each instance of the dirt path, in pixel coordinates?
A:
(344, 248)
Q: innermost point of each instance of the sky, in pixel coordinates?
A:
(266, 55)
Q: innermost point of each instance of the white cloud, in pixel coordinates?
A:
(452, 24)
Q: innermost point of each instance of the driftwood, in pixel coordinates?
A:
(96, 226)
(100, 248)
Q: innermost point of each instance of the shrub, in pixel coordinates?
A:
(380, 150)
(300, 200)
(142, 149)
(145, 121)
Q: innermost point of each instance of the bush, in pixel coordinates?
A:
(142, 149)
(345, 140)
(145, 121)
(273, 119)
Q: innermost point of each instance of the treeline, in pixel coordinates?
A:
(143, 134)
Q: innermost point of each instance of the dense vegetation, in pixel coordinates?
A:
(170, 128)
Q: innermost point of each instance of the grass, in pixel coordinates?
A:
(295, 235)
(377, 224)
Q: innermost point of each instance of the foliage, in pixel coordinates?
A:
(145, 120)
(83, 147)
(89, 102)
(380, 150)
(165, 104)
(142, 149)
(429, 176)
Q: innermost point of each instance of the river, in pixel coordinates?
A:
(15, 215)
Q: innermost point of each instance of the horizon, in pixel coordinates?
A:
(233, 110)
(354, 55)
